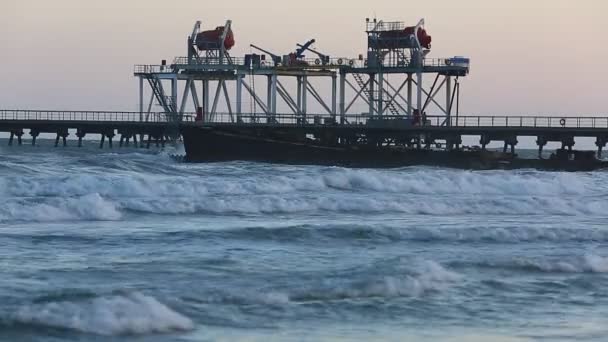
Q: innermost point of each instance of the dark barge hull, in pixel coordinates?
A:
(207, 144)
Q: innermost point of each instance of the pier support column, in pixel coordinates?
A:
(512, 142)
(103, 139)
(484, 141)
(568, 142)
(80, 134)
(19, 133)
(10, 140)
(121, 141)
(110, 136)
(135, 140)
(600, 142)
(454, 143)
(34, 134)
(541, 142)
(57, 140)
(149, 141)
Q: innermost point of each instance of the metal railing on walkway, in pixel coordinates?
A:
(89, 116)
(481, 121)
(388, 121)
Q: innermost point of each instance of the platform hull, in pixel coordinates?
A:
(205, 144)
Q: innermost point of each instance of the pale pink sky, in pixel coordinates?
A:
(534, 56)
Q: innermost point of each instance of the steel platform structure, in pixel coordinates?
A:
(344, 83)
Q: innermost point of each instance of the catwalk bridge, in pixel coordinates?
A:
(144, 129)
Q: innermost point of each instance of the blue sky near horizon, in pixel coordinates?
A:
(529, 57)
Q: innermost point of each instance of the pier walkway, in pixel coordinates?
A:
(158, 127)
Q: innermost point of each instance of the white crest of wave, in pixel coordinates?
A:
(87, 207)
(113, 315)
(100, 196)
(589, 263)
(412, 280)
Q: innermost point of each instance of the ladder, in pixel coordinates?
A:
(390, 105)
(167, 102)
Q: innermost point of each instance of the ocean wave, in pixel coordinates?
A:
(328, 203)
(236, 190)
(415, 279)
(97, 207)
(253, 182)
(393, 233)
(129, 314)
(589, 263)
(87, 207)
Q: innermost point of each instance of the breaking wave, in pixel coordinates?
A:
(589, 263)
(131, 314)
(220, 190)
(390, 233)
(421, 278)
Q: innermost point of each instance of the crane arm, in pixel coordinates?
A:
(306, 46)
(274, 57)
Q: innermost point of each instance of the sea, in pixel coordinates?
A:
(135, 245)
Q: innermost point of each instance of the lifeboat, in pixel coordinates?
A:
(210, 40)
(397, 38)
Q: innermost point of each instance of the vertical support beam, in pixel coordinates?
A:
(380, 94)
(409, 94)
(205, 97)
(299, 94)
(239, 97)
(274, 96)
(334, 97)
(304, 93)
(371, 94)
(174, 95)
(342, 98)
(269, 98)
(419, 103)
(141, 99)
(216, 100)
(227, 97)
(448, 100)
(182, 106)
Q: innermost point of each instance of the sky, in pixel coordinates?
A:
(528, 57)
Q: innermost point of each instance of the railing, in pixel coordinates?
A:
(381, 26)
(90, 116)
(389, 121)
(333, 63)
(152, 69)
(396, 121)
(531, 121)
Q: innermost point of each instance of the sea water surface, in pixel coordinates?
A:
(133, 245)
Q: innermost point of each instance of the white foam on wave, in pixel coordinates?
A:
(294, 203)
(589, 263)
(101, 196)
(112, 315)
(425, 181)
(414, 280)
(86, 207)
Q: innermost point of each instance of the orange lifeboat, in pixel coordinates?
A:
(210, 40)
(400, 38)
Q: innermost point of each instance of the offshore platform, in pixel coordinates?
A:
(393, 104)
(393, 50)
